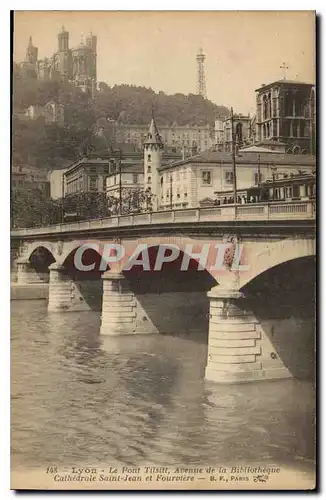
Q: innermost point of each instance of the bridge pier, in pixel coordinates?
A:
(26, 274)
(122, 313)
(64, 294)
(238, 348)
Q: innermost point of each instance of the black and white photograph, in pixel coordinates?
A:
(163, 252)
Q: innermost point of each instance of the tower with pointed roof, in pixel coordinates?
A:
(63, 56)
(29, 65)
(31, 52)
(77, 64)
(153, 146)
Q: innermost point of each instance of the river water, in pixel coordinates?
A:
(81, 400)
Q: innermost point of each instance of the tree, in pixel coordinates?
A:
(33, 208)
(47, 145)
(84, 206)
(132, 201)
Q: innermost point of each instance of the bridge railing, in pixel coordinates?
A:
(250, 212)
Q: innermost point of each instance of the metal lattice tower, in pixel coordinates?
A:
(201, 83)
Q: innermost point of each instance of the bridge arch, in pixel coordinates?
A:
(82, 288)
(275, 254)
(173, 301)
(282, 300)
(32, 248)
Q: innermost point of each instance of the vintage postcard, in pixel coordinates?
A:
(163, 206)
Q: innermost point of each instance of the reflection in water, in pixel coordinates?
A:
(78, 399)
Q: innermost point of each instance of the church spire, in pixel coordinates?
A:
(153, 137)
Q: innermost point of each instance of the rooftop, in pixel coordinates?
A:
(245, 158)
(285, 82)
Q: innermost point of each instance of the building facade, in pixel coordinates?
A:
(99, 169)
(57, 179)
(285, 113)
(52, 112)
(25, 178)
(243, 127)
(184, 184)
(77, 65)
(178, 138)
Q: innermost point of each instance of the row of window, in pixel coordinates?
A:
(175, 194)
(176, 176)
(206, 177)
(134, 179)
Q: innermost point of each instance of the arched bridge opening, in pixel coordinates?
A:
(171, 297)
(40, 260)
(283, 301)
(76, 285)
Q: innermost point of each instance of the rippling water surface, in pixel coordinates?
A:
(78, 399)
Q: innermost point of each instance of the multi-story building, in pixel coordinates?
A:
(243, 132)
(77, 65)
(24, 178)
(99, 169)
(132, 177)
(285, 113)
(34, 112)
(52, 112)
(56, 179)
(187, 138)
(185, 183)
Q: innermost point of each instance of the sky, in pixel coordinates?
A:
(158, 49)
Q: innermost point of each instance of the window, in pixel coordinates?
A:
(149, 158)
(207, 177)
(149, 179)
(258, 181)
(93, 183)
(228, 177)
(296, 191)
(135, 178)
(149, 169)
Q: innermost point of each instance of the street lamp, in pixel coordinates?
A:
(233, 161)
(258, 169)
(273, 169)
(120, 181)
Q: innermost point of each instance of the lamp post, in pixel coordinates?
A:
(233, 161)
(273, 169)
(171, 192)
(62, 197)
(258, 169)
(120, 182)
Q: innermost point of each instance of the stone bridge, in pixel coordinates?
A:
(257, 317)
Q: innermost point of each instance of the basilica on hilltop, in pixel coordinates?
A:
(77, 65)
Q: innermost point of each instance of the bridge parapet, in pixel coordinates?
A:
(298, 210)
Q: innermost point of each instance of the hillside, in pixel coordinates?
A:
(48, 145)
